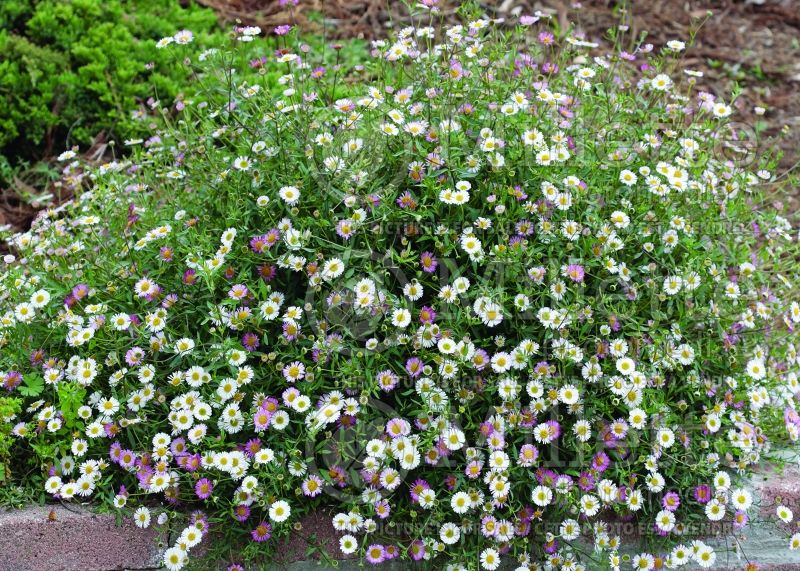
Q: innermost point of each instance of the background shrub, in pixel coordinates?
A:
(72, 68)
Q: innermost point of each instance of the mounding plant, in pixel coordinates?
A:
(485, 294)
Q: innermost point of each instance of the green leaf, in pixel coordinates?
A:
(70, 398)
(32, 385)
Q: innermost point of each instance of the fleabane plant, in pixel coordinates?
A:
(482, 295)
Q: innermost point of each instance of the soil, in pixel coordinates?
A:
(752, 43)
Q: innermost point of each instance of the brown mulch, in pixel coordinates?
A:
(347, 19)
(755, 43)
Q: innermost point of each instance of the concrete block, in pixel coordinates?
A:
(57, 538)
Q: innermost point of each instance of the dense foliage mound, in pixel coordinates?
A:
(70, 69)
(483, 295)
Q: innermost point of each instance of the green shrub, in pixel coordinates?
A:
(72, 68)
